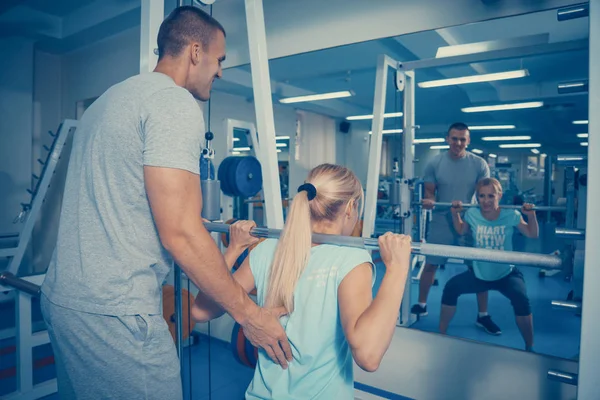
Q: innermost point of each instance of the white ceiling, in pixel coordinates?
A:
(61, 26)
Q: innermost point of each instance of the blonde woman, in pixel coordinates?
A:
(332, 318)
(492, 228)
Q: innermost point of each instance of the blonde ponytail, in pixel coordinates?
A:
(336, 186)
(291, 255)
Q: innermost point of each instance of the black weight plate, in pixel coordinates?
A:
(247, 177)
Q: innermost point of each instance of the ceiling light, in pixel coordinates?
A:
(316, 97)
(385, 131)
(544, 155)
(386, 115)
(584, 143)
(282, 137)
(236, 153)
(490, 127)
(280, 145)
(477, 151)
(569, 158)
(475, 79)
(573, 12)
(519, 145)
(235, 139)
(279, 150)
(241, 149)
(535, 151)
(573, 87)
(432, 140)
(504, 138)
(504, 107)
(583, 135)
(439, 147)
(492, 155)
(581, 122)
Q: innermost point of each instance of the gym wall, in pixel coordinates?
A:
(16, 108)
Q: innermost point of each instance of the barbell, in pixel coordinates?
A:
(507, 206)
(427, 249)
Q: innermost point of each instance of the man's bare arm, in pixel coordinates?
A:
(176, 201)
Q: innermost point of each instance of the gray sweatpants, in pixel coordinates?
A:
(112, 357)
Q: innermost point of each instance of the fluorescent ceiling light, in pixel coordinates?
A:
(583, 135)
(236, 153)
(280, 145)
(570, 85)
(573, 87)
(581, 122)
(241, 149)
(316, 97)
(385, 131)
(236, 139)
(572, 12)
(477, 151)
(432, 140)
(491, 127)
(535, 151)
(519, 145)
(279, 150)
(282, 137)
(491, 45)
(504, 138)
(543, 155)
(439, 147)
(504, 107)
(569, 158)
(584, 143)
(475, 79)
(387, 115)
(492, 155)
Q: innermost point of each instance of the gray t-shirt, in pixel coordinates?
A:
(455, 179)
(108, 257)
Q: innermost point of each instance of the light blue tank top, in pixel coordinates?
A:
(322, 367)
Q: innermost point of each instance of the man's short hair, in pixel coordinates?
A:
(459, 126)
(184, 25)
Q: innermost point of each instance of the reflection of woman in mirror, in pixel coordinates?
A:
(492, 228)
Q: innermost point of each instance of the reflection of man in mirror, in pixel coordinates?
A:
(450, 176)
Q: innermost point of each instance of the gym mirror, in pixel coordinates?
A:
(534, 149)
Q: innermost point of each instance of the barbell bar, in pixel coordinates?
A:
(567, 233)
(507, 206)
(8, 279)
(427, 249)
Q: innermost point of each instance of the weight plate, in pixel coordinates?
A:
(223, 176)
(248, 177)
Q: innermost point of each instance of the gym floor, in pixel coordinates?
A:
(557, 334)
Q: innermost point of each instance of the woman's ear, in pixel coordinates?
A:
(351, 204)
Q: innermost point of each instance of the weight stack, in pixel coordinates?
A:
(211, 200)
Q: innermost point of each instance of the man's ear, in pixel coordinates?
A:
(196, 53)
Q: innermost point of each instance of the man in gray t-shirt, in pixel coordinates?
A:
(449, 176)
(131, 206)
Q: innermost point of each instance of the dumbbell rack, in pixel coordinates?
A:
(31, 210)
(26, 339)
